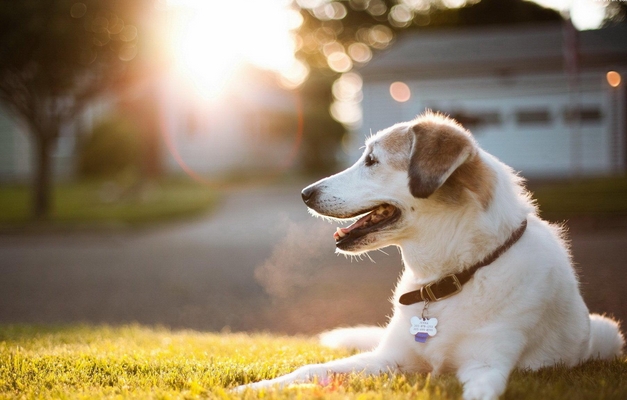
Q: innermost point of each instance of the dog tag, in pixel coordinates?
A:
(422, 328)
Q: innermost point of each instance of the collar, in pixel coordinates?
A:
(450, 285)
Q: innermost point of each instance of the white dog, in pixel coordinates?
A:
(487, 285)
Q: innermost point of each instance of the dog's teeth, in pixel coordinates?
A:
(340, 233)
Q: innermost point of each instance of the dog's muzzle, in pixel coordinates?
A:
(309, 194)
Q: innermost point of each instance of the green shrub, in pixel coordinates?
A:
(111, 149)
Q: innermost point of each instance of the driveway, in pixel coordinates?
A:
(259, 262)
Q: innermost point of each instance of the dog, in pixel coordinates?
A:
(487, 285)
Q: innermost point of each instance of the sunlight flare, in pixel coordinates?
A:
(211, 40)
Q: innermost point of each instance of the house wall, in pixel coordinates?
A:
(552, 148)
(16, 151)
(15, 154)
(231, 134)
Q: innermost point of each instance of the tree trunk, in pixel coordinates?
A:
(42, 184)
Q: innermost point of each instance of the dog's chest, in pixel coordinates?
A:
(430, 342)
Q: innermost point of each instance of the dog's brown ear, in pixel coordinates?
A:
(438, 149)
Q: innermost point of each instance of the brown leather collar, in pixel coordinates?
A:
(452, 284)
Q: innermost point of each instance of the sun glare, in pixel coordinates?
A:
(211, 39)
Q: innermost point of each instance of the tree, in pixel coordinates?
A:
(374, 23)
(57, 56)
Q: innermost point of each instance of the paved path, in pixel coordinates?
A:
(259, 262)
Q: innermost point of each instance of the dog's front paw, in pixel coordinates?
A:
(306, 374)
(479, 392)
(256, 386)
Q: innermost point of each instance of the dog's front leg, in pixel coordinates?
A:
(370, 363)
(483, 382)
(488, 365)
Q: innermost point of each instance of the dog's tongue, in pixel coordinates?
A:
(341, 232)
(374, 217)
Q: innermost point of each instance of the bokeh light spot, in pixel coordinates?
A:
(359, 5)
(380, 36)
(127, 52)
(347, 87)
(115, 25)
(360, 52)
(128, 33)
(100, 24)
(347, 94)
(613, 78)
(330, 11)
(78, 10)
(418, 5)
(454, 3)
(309, 4)
(400, 16)
(376, 8)
(295, 75)
(400, 92)
(339, 62)
(332, 47)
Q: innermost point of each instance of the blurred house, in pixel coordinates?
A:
(249, 128)
(14, 149)
(17, 152)
(536, 96)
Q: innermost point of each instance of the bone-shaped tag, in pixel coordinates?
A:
(423, 325)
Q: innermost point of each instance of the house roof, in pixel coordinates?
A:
(494, 50)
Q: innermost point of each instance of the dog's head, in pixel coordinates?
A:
(423, 167)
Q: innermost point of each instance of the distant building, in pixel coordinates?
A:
(16, 148)
(536, 96)
(251, 127)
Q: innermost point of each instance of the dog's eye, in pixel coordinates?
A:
(370, 160)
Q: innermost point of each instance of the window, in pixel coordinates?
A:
(476, 120)
(584, 115)
(533, 117)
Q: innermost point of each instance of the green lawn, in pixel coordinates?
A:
(593, 197)
(105, 203)
(139, 362)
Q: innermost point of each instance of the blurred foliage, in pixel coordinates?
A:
(492, 12)
(374, 23)
(56, 57)
(112, 148)
(322, 134)
(585, 197)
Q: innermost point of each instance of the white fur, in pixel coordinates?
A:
(522, 311)
(360, 337)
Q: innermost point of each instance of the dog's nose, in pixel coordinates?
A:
(309, 194)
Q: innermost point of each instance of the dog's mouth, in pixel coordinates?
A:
(374, 220)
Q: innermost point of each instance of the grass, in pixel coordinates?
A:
(108, 203)
(138, 362)
(593, 197)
